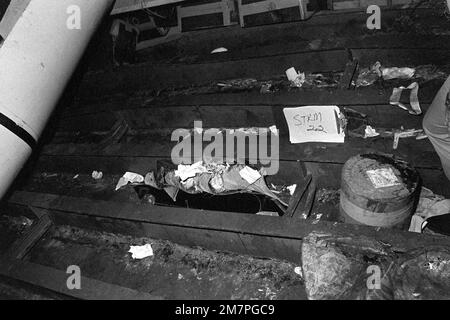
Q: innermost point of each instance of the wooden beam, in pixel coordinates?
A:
(56, 281)
(23, 245)
(156, 77)
(264, 236)
(124, 6)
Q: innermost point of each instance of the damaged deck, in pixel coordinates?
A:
(121, 120)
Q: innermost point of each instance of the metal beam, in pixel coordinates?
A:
(124, 6)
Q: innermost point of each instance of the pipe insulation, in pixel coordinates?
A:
(37, 61)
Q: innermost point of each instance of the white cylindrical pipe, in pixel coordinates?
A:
(37, 60)
(12, 14)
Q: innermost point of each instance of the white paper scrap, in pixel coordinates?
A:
(292, 189)
(314, 124)
(250, 175)
(141, 252)
(188, 171)
(370, 132)
(129, 177)
(219, 50)
(382, 178)
(97, 175)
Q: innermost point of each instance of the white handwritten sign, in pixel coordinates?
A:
(314, 124)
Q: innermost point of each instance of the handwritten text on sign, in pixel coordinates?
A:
(314, 124)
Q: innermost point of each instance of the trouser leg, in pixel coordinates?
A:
(436, 124)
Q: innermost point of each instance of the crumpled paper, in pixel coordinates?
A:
(397, 73)
(188, 171)
(217, 179)
(370, 132)
(141, 252)
(297, 79)
(129, 177)
(369, 76)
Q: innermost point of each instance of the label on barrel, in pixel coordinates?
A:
(382, 178)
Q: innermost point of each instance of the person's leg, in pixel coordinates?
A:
(436, 124)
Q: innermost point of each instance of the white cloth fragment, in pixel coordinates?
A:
(397, 73)
(150, 180)
(297, 79)
(250, 175)
(97, 175)
(141, 252)
(185, 172)
(370, 132)
(413, 98)
(219, 50)
(129, 177)
(292, 189)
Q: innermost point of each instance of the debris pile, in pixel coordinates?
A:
(201, 177)
(333, 268)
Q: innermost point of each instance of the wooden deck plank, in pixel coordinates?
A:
(55, 280)
(286, 233)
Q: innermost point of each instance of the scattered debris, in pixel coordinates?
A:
(418, 133)
(370, 132)
(129, 177)
(296, 79)
(141, 252)
(219, 50)
(180, 276)
(429, 72)
(327, 271)
(213, 178)
(97, 175)
(46, 175)
(185, 172)
(150, 180)
(369, 76)
(397, 73)
(266, 87)
(250, 175)
(238, 84)
(149, 198)
(76, 176)
(317, 219)
(291, 189)
(414, 99)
